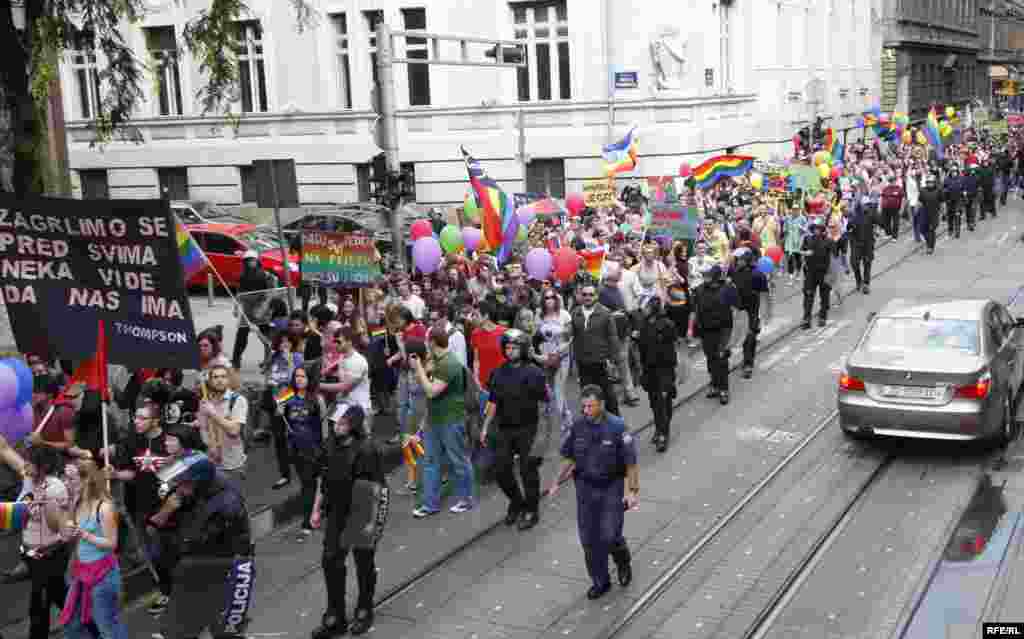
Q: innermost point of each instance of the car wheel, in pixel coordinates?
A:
(1007, 425)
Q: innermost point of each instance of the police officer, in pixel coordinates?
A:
(601, 456)
(987, 183)
(749, 283)
(715, 299)
(516, 389)
(931, 203)
(215, 539)
(817, 250)
(656, 337)
(969, 184)
(861, 231)
(952, 195)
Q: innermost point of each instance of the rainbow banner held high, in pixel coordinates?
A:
(498, 216)
(620, 156)
(932, 133)
(711, 171)
(13, 515)
(593, 261)
(340, 259)
(192, 258)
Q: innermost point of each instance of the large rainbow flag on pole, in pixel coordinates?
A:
(711, 171)
(497, 211)
(931, 132)
(620, 156)
(192, 258)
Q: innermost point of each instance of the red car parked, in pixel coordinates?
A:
(225, 244)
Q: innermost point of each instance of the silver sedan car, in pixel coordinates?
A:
(946, 370)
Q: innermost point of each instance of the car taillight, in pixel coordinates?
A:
(977, 390)
(848, 382)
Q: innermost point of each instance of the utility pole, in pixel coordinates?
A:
(506, 53)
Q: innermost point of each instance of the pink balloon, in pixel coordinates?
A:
(539, 263)
(420, 229)
(574, 202)
(471, 237)
(685, 169)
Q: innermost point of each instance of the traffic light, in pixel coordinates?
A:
(510, 55)
(805, 138)
(819, 131)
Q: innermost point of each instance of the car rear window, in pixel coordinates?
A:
(901, 335)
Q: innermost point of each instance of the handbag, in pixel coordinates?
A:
(367, 515)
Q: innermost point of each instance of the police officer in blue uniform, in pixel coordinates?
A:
(601, 455)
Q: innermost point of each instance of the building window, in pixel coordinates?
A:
(544, 27)
(342, 69)
(363, 173)
(416, 48)
(250, 187)
(163, 50)
(252, 76)
(372, 19)
(94, 184)
(82, 62)
(173, 183)
(546, 176)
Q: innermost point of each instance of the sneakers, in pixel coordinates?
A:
(462, 506)
(304, 534)
(281, 483)
(723, 398)
(362, 623)
(159, 605)
(748, 372)
(422, 513)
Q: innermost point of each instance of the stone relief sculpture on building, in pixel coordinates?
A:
(668, 58)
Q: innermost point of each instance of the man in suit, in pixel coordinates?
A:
(595, 341)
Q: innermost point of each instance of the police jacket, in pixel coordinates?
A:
(930, 199)
(596, 340)
(861, 228)
(338, 468)
(657, 342)
(215, 520)
(816, 264)
(969, 183)
(749, 285)
(715, 300)
(601, 450)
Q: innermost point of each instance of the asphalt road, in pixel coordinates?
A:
(881, 512)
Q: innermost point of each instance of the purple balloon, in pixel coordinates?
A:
(16, 423)
(539, 263)
(426, 254)
(8, 387)
(471, 237)
(525, 215)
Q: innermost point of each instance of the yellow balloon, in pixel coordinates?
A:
(824, 170)
(756, 180)
(907, 136)
(950, 112)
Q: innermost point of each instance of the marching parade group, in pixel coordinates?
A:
(482, 364)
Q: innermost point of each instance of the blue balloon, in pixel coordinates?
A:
(765, 265)
(24, 376)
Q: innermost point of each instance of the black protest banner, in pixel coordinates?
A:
(66, 264)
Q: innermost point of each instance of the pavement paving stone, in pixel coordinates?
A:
(589, 618)
(466, 628)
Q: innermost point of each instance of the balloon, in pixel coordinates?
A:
(950, 112)
(539, 263)
(574, 202)
(8, 387)
(685, 169)
(836, 172)
(471, 237)
(775, 252)
(823, 170)
(625, 228)
(566, 263)
(525, 215)
(451, 238)
(420, 229)
(470, 207)
(16, 423)
(426, 254)
(822, 157)
(522, 234)
(907, 136)
(765, 265)
(24, 376)
(756, 180)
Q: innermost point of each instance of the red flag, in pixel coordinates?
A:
(93, 371)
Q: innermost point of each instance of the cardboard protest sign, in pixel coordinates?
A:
(339, 259)
(599, 194)
(806, 178)
(678, 221)
(66, 264)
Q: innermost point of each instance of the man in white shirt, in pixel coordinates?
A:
(353, 385)
(410, 300)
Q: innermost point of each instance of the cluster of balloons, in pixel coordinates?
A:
(541, 263)
(16, 417)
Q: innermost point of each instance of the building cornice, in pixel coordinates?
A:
(574, 106)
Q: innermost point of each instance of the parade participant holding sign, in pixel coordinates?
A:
(215, 539)
(350, 458)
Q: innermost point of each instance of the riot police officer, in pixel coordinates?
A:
(817, 250)
(969, 184)
(861, 231)
(715, 299)
(931, 201)
(656, 337)
(516, 389)
(952, 195)
(749, 285)
(987, 183)
(600, 454)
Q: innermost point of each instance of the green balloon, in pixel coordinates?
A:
(470, 207)
(451, 238)
(522, 233)
(625, 228)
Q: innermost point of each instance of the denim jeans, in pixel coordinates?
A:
(411, 404)
(445, 444)
(106, 611)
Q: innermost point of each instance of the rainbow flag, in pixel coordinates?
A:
(593, 260)
(620, 156)
(545, 207)
(710, 172)
(192, 258)
(838, 152)
(830, 140)
(284, 394)
(498, 218)
(931, 132)
(13, 515)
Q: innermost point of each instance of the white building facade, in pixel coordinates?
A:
(695, 77)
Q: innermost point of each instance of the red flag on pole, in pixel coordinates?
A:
(93, 371)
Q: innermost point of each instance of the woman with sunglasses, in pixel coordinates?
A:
(554, 333)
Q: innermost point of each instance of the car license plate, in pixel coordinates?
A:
(912, 392)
